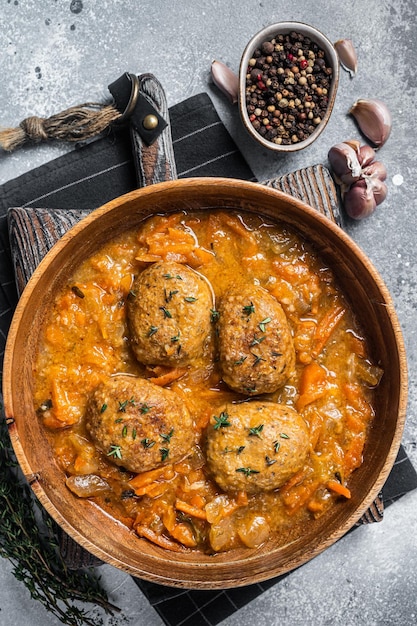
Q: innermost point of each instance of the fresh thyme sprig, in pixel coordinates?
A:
(28, 540)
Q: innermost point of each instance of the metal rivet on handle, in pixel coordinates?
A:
(150, 122)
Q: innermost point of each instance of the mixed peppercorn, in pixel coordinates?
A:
(287, 88)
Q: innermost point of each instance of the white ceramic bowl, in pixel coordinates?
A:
(332, 60)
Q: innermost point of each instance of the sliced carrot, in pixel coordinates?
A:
(169, 518)
(153, 490)
(159, 540)
(312, 385)
(146, 478)
(189, 509)
(315, 506)
(338, 488)
(242, 498)
(326, 327)
(353, 454)
(198, 501)
(299, 495)
(296, 479)
(166, 376)
(184, 534)
(355, 398)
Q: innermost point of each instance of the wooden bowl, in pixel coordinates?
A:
(332, 60)
(110, 540)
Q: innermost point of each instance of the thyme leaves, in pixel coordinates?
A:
(221, 421)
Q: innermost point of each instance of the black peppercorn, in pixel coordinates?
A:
(288, 72)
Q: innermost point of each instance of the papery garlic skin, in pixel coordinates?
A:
(375, 170)
(344, 162)
(347, 55)
(366, 155)
(226, 80)
(374, 119)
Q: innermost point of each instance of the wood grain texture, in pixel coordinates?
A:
(90, 527)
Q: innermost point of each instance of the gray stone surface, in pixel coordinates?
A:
(52, 57)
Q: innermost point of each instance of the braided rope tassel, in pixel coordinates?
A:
(77, 123)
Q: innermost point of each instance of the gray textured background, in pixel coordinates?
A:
(54, 55)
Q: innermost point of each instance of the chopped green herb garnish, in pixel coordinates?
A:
(119, 420)
(152, 330)
(124, 431)
(165, 312)
(145, 408)
(190, 299)
(148, 443)
(169, 276)
(214, 316)
(256, 341)
(134, 433)
(240, 449)
(176, 338)
(123, 405)
(257, 359)
(283, 436)
(168, 296)
(256, 430)
(168, 436)
(247, 471)
(221, 421)
(277, 446)
(241, 360)
(115, 452)
(269, 461)
(249, 309)
(164, 453)
(250, 389)
(103, 408)
(262, 324)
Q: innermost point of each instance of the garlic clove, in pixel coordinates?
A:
(354, 144)
(379, 190)
(359, 200)
(344, 163)
(226, 80)
(366, 155)
(347, 55)
(375, 170)
(374, 119)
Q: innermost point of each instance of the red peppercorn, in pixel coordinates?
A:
(290, 57)
(261, 85)
(252, 117)
(303, 64)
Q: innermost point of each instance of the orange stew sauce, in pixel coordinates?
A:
(179, 506)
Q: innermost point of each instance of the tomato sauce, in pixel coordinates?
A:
(179, 506)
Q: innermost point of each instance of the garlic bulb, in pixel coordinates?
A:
(347, 55)
(374, 119)
(360, 177)
(226, 80)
